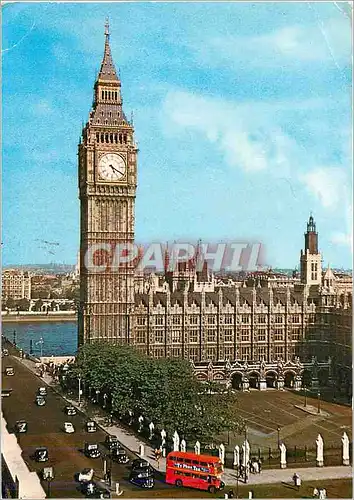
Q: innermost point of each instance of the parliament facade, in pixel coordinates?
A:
(256, 331)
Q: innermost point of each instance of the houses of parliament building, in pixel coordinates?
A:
(260, 330)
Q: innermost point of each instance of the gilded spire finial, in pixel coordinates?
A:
(106, 26)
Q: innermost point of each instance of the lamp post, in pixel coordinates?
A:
(318, 402)
(278, 430)
(305, 403)
(79, 380)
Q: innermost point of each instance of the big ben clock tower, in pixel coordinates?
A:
(107, 186)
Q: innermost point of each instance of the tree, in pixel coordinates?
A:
(23, 304)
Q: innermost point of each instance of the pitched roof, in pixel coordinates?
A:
(107, 70)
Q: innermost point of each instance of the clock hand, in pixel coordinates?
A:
(114, 168)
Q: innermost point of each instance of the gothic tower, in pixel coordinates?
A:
(107, 185)
(310, 259)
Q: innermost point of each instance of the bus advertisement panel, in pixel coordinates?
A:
(202, 472)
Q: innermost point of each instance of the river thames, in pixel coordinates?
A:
(59, 337)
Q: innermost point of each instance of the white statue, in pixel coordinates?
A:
(222, 453)
(141, 450)
(345, 442)
(319, 456)
(140, 420)
(163, 437)
(236, 456)
(197, 448)
(282, 448)
(175, 441)
(245, 453)
(151, 427)
(183, 445)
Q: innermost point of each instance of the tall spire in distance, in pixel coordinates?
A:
(107, 71)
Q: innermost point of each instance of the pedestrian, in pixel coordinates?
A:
(231, 494)
(315, 493)
(109, 477)
(157, 457)
(259, 466)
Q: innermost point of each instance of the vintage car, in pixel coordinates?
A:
(9, 370)
(85, 475)
(119, 455)
(140, 463)
(70, 410)
(40, 401)
(143, 477)
(5, 393)
(111, 442)
(21, 426)
(92, 450)
(91, 426)
(41, 454)
(5, 352)
(68, 427)
(42, 391)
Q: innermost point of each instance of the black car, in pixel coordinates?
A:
(40, 400)
(143, 477)
(70, 410)
(92, 450)
(91, 426)
(41, 454)
(112, 442)
(119, 455)
(140, 463)
(94, 490)
(5, 393)
(21, 426)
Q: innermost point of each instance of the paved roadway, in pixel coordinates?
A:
(44, 429)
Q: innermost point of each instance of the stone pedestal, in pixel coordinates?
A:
(245, 385)
(283, 466)
(346, 461)
(262, 385)
(280, 383)
(319, 463)
(297, 383)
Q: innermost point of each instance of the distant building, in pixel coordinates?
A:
(16, 284)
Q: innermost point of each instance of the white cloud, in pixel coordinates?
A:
(328, 185)
(324, 42)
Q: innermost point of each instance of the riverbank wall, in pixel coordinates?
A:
(31, 317)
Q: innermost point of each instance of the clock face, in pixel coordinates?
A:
(111, 167)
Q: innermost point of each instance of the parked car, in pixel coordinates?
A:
(40, 401)
(21, 426)
(86, 475)
(95, 490)
(41, 454)
(5, 393)
(140, 463)
(5, 352)
(143, 477)
(9, 370)
(70, 410)
(119, 455)
(69, 428)
(42, 391)
(91, 426)
(92, 450)
(111, 442)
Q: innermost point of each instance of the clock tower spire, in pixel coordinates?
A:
(107, 187)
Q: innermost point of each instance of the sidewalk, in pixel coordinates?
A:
(130, 441)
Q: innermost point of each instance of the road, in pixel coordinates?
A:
(45, 429)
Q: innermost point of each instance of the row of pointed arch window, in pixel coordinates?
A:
(107, 94)
(111, 138)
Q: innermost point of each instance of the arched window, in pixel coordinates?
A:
(106, 122)
(110, 113)
(98, 120)
(120, 138)
(111, 138)
(109, 94)
(118, 114)
(102, 137)
(105, 94)
(97, 137)
(107, 140)
(115, 123)
(102, 94)
(125, 138)
(115, 138)
(116, 95)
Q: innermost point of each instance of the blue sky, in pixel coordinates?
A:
(241, 112)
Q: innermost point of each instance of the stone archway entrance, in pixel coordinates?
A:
(271, 378)
(237, 381)
(253, 378)
(289, 379)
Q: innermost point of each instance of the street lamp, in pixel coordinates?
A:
(48, 475)
(318, 402)
(79, 380)
(278, 429)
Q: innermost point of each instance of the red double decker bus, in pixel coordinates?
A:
(194, 471)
